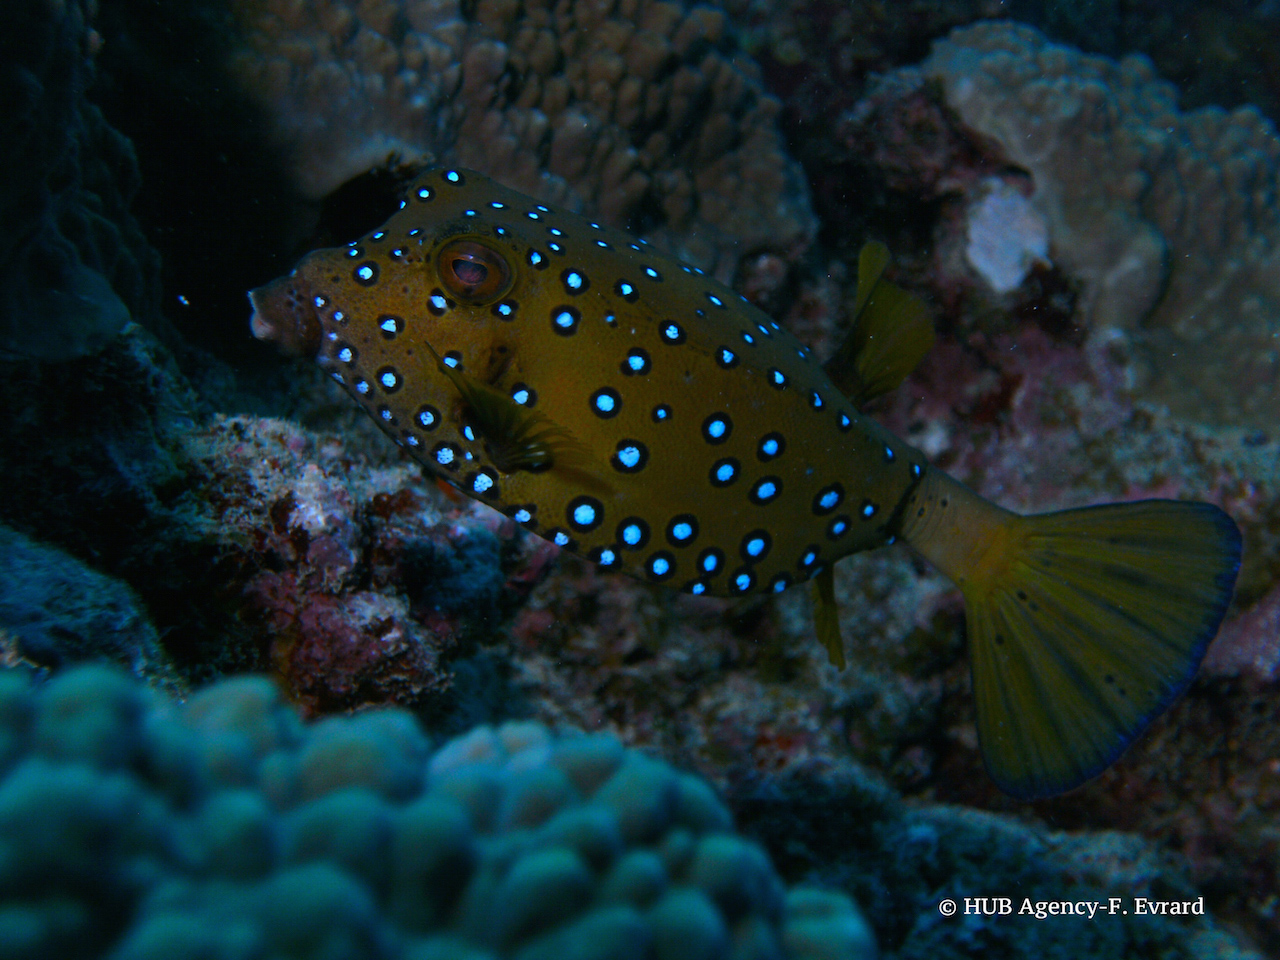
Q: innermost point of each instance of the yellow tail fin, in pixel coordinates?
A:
(1084, 625)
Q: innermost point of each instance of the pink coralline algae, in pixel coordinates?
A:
(1166, 224)
(632, 110)
(322, 555)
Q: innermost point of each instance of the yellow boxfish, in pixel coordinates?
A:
(636, 412)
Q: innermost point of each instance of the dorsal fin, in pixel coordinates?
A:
(891, 332)
(516, 437)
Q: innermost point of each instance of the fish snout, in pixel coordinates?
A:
(284, 313)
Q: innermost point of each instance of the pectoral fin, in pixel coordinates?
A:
(516, 437)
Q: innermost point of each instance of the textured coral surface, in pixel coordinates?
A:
(136, 828)
(638, 110)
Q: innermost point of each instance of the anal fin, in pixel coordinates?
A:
(826, 617)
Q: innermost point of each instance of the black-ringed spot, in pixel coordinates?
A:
(780, 583)
(725, 472)
(633, 533)
(536, 260)
(560, 538)
(454, 177)
(755, 546)
(484, 483)
(524, 394)
(695, 587)
(446, 455)
(437, 303)
(565, 320)
(355, 252)
(868, 509)
(389, 379)
(386, 416)
(765, 490)
(425, 194)
(777, 378)
(916, 470)
(605, 557)
(889, 455)
(772, 445)
(524, 514)
(716, 301)
(631, 456)
(671, 332)
(605, 403)
(845, 422)
(660, 413)
(427, 417)
(505, 309)
(345, 353)
(815, 400)
(838, 527)
(390, 326)
(637, 362)
(716, 428)
(726, 358)
(452, 358)
(682, 530)
(809, 557)
(575, 281)
(652, 274)
(627, 291)
(711, 561)
(660, 566)
(365, 274)
(827, 499)
(742, 580)
(584, 513)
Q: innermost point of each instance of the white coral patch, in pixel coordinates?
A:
(1006, 235)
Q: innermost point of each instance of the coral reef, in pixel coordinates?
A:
(134, 828)
(252, 542)
(57, 611)
(74, 265)
(639, 111)
(1167, 224)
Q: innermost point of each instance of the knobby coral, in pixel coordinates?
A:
(638, 111)
(132, 827)
(1169, 221)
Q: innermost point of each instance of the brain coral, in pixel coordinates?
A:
(1170, 221)
(639, 111)
(74, 265)
(132, 827)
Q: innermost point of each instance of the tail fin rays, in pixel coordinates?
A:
(1083, 625)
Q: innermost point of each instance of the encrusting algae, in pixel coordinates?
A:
(638, 413)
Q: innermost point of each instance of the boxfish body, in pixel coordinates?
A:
(637, 412)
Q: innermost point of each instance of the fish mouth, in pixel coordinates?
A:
(284, 314)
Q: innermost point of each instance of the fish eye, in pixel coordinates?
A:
(473, 272)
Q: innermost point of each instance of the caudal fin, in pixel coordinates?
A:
(1084, 625)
